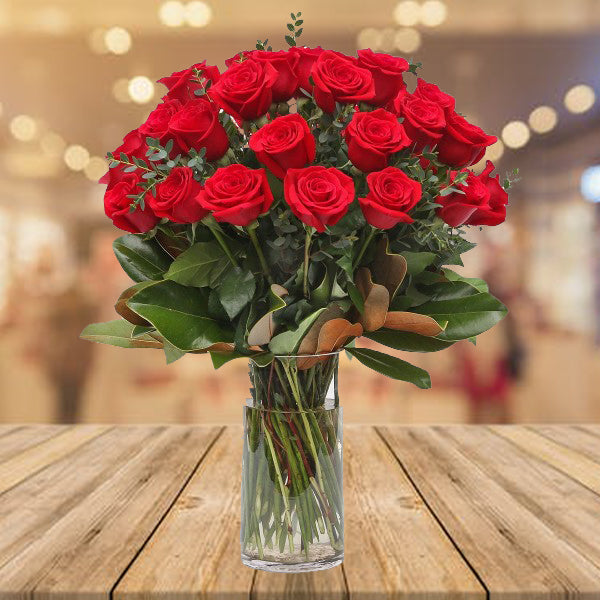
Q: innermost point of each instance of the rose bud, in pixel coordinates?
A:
(236, 194)
(387, 74)
(338, 78)
(318, 196)
(117, 206)
(177, 197)
(372, 137)
(197, 126)
(424, 121)
(392, 194)
(183, 84)
(462, 143)
(284, 143)
(245, 90)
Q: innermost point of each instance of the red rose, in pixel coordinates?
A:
(177, 197)
(392, 193)
(134, 144)
(157, 123)
(306, 60)
(117, 206)
(483, 203)
(285, 65)
(462, 144)
(431, 92)
(424, 121)
(338, 78)
(197, 126)
(387, 73)
(284, 143)
(372, 137)
(318, 196)
(245, 90)
(236, 194)
(183, 84)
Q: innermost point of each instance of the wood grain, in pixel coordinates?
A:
(583, 439)
(14, 440)
(515, 554)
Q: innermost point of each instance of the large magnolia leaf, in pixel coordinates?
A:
(122, 309)
(335, 333)
(388, 269)
(412, 322)
(391, 366)
(376, 300)
(479, 284)
(262, 331)
(236, 290)
(288, 342)
(141, 259)
(417, 262)
(311, 339)
(180, 315)
(466, 316)
(118, 333)
(408, 342)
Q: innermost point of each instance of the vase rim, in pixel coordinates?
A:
(332, 353)
(329, 404)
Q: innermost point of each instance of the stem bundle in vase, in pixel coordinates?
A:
(276, 213)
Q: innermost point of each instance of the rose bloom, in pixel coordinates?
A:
(245, 90)
(117, 206)
(387, 74)
(424, 121)
(483, 202)
(134, 144)
(183, 84)
(306, 59)
(197, 126)
(462, 143)
(284, 63)
(236, 194)
(392, 194)
(318, 196)
(157, 123)
(338, 78)
(177, 197)
(372, 137)
(431, 92)
(286, 142)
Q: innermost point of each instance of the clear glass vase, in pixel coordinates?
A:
(292, 500)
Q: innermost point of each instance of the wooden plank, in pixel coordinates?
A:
(394, 546)
(29, 509)
(583, 439)
(515, 554)
(15, 439)
(84, 553)
(195, 553)
(37, 457)
(574, 464)
(570, 510)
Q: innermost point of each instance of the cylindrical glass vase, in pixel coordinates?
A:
(292, 500)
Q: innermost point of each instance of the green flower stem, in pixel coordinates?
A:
(309, 231)
(364, 247)
(219, 237)
(259, 252)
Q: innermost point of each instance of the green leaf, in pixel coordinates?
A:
(222, 358)
(118, 333)
(417, 262)
(320, 295)
(236, 290)
(356, 297)
(171, 352)
(287, 342)
(290, 40)
(201, 265)
(479, 284)
(408, 342)
(466, 316)
(263, 359)
(391, 366)
(180, 315)
(141, 259)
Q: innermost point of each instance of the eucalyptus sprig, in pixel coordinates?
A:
(295, 28)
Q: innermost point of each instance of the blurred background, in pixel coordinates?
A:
(76, 76)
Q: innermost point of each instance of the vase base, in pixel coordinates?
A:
(301, 567)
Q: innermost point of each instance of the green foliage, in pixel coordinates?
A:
(408, 342)
(118, 333)
(141, 259)
(295, 29)
(236, 291)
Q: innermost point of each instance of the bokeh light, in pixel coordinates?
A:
(543, 119)
(96, 41)
(141, 89)
(368, 38)
(407, 40)
(515, 134)
(580, 98)
(433, 13)
(95, 168)
(407, 13)
(197, 13)
(23, 128)
(120, 90)
(52, 144)
(76, 157)
(495, 151)
(117, 40)
(172, 13)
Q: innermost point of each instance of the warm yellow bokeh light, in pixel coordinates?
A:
(141, 89)
(96, 41)
(580, 98)
(172, 13)
(197, 13)
(23, 128)
(96, 168)
(387, 41)
(368, 38)
(117, 40)
(495, 151)
(76, 157)
(543, 119)
(407, 40)
(52, 144)
(433, 13)
(515, 134)
(407, 13)
(120, 90)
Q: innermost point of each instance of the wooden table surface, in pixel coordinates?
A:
(431, 512)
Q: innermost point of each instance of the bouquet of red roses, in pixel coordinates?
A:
(287, 206)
